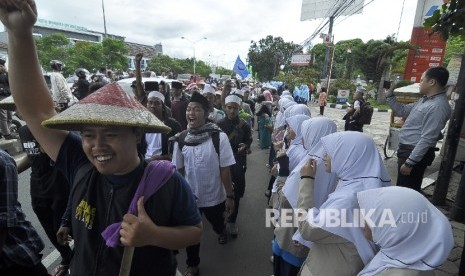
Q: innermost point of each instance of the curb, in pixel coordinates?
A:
(344, 106)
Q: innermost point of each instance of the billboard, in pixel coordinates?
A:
(300, 60)
(342, 96)
(431, 47)
(314, 9)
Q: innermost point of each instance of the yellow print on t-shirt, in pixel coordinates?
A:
(85, 213)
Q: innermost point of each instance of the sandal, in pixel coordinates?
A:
(60, 270)
(192, 271)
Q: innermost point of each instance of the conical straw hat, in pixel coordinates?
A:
(108, 106)
(8, 104)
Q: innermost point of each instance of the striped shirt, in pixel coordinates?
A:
(22, 244)
(425, 119)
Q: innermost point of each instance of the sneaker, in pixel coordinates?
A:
(223, 238)
(232, 229)
(11, 136)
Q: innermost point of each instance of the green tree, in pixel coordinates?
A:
(455, 45)
(164, 63)
(389, 47)
(268, 54)
(54, 47)
(115, 54)
(87, 55)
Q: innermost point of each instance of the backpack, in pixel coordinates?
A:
(215, 139)
(366, 112)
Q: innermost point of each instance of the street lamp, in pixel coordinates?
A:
(193, 45)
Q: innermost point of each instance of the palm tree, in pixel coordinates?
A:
(390, 47)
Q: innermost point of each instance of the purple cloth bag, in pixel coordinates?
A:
(156, 174)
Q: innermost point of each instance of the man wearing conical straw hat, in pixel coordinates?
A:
(117, 199)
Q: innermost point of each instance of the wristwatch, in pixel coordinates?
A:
(231, 197)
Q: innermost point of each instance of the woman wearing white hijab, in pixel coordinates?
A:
(420, 241)
(339, 249)
(312, 131)
(283, 104)
(296, 110)
(288, 256)
(296, 150)
(277, 136)
(291, 156)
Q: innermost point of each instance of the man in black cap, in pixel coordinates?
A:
(198, 153)
(179, 103)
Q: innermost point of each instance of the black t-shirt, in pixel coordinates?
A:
(99, 200)
(46, 180)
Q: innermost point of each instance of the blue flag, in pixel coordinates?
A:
(240, 68)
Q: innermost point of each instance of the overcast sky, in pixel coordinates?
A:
(229, 26)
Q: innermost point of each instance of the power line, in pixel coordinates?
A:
(400, 19)
(356, 10)
(339, 7)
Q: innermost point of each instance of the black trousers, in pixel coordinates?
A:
(17, 270)
(322, 110)
(283, 268)
(415, 178)
(49, 212)
(214, 215)
(238, 178)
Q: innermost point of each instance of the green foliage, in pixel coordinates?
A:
(163, 63)
(114, 54)
(54, 47)
(268, 54)
(89, 55)
(331, 99)
(449, 20)
(298, 76)
(455, 45)
(340, 84)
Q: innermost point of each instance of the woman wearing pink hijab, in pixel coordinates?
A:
(267, 95)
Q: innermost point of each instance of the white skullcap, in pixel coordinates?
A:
(156, 94)
(233, 99)
(238, 92)
(208, 89)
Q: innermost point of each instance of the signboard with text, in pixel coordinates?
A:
(430, 53)
(431, 47)
(342, 96)
(300, 60)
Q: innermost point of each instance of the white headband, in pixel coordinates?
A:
(156, 94)
(233, 99)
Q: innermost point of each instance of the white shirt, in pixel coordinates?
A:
(153, 144)
(202, 169)
(60, 90)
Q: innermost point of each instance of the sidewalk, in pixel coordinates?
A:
(378, 130)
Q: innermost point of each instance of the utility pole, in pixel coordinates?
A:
(328, 48)
(104, 21)
(450, 148)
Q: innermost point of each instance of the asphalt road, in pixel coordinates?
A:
(250, 253)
